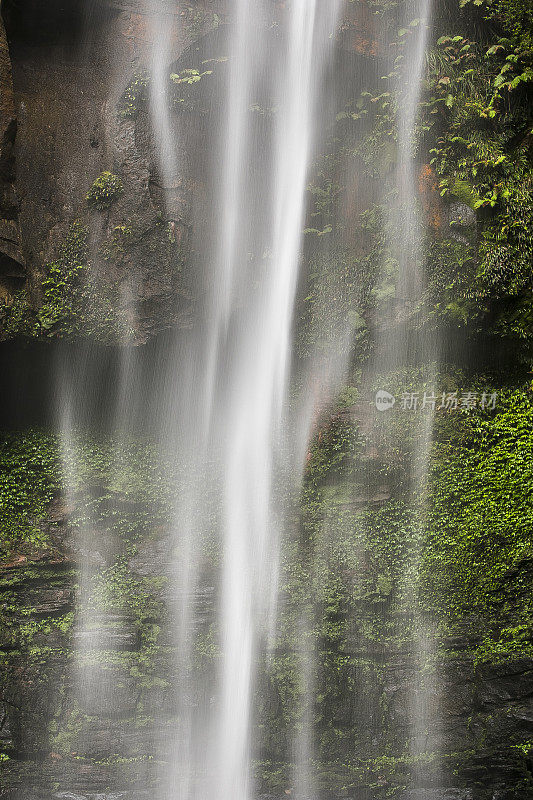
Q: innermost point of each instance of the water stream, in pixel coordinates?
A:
(236, 406)
(225, 404)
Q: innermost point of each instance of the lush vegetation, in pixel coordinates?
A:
(478, 562)
(478, 126)
(116, 500)
(29, 480)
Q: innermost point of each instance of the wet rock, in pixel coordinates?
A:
(462, 222)
(506, 682)
(69, 130)
(106, 638)
(439, 794)
(12, 263)
(459, 214)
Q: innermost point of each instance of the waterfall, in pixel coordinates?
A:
(407, 223)
(400, 347)
(232, 413)
(234, 374)
(410, 276)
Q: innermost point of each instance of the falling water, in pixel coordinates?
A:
(402, 348)
(234, 374)
(408, 226)
(424, 702)
(224, 415)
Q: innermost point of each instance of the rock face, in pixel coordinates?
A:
(76, 113)
(60, 746)
(79, 108)
(12, 269)
(87, 703)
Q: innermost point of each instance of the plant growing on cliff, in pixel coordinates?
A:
(29, 480)
(478, 554)
(200, 20)
(189, 76)
(479, 114)
(135, 95)
(105, 191)
(62, 285)
(16, 316)
(73, 300)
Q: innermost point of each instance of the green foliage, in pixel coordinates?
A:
(478, 559)
(125, 490)
(189, 76)
(200, 20)
(105, 191)
(63, 284)
(475, 127)
(337, 291)
(515, 17)
(333, 452)
(479, 115)
(75, 302)
(116, 589)
(451, 266)
(115, 495)
(377, 148)
(29, 480)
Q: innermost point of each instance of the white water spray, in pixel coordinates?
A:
(226, 406)
(234, 399)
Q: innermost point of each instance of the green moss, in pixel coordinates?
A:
(478, 559)
(344, 579)
(122, 495)
(464, 191)
(125, 490)
(337, 292)
(64, 732)
(333, 453)
(29, 480)
(76, 302)
(105, 191)
(63, 290)
(200, 20)
(451, 267)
